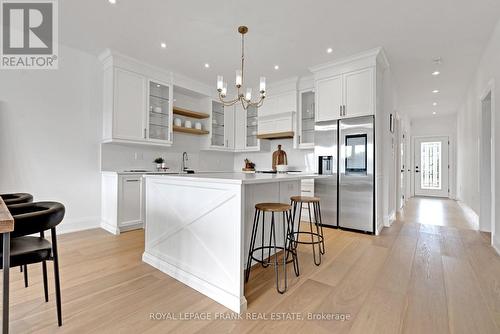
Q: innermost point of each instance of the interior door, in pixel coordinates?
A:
(402, 180)
(431, 166)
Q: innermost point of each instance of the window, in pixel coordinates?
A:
(430, 161)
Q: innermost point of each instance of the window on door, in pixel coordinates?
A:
(431, 165)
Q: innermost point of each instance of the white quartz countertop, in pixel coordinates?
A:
(241, 178)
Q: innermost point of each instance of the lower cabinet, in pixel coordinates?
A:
(306, 189)
(121, 207)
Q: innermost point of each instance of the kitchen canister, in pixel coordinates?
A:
(177, 122)
(197, 125)
(187, 124)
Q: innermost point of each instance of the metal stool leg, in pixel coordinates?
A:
(316, 261)
(290, 238)
(264, 264)
(252, 244)
(276, 265)
(320, 231)
(45, 284)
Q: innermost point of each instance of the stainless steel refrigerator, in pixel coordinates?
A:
(345, 149)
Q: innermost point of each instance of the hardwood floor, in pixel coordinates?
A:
(413, 278)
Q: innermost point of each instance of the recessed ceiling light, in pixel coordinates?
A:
(434, 113)
(434, 104)
(207, 65)
(276, 67)
(157, 85)
(163, 45)
(435, 91)
(329, 50)
(112, 2)
(436, 73)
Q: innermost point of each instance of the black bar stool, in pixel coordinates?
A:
(31, 218)
(286, 211)
(316, 237)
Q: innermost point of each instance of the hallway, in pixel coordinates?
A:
(439, 212)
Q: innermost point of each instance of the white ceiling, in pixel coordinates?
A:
(295, 35)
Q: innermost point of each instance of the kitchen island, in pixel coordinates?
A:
(198, 227)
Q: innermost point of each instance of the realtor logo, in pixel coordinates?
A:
(29, 35)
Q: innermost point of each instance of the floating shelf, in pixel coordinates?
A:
(189, 113)
(190, 130)
(276, 135)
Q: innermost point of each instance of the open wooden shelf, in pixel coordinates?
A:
(189, 113)
(190, 130)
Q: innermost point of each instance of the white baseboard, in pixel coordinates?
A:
(495, 243)
(78, 224)
(223, 297)
(389, 219)
(110, 228)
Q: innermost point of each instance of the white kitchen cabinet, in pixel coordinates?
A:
(245, 129)
(129, 101)
(222, 127)
(306, 189)
(359, 92)
(346, 95)
(122, 198)
(137, 106)
(306, 119)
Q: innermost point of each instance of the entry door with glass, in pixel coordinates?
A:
(431, 166)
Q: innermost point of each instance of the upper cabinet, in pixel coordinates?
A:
(245, 129)
(347, 95)
(306, 119)
(136, 102)
(160, 112)
(222, 123)
(348, 88)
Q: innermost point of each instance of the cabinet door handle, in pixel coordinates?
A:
(145, 133)
(130, 180)
(340, 110)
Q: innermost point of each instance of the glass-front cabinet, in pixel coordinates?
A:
(222, 123)
(218, 125)
(159, 112)
(251, 128)
(306, 120)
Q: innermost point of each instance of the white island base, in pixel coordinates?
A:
(198, 227)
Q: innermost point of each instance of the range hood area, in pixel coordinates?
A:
(276, 135)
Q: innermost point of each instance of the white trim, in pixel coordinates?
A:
(110, 228)
(490, 89)
(230, 301)
(78, 224)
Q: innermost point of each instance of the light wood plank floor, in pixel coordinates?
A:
(414, 278)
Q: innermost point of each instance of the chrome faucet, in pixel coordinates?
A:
(184, 161)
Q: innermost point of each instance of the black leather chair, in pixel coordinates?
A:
(31, 218)
(16, 198)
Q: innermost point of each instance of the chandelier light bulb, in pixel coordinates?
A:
(223, 92)
(248, 95)
(262, 86)
(220, 82)
(239, 78)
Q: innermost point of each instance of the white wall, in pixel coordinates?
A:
(445, 125)
(297, 159)
(469, 127)
(119, 157)
(50, 128)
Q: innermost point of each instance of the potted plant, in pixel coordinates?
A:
(160, 163)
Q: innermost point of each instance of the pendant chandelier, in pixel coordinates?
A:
(245, 99)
